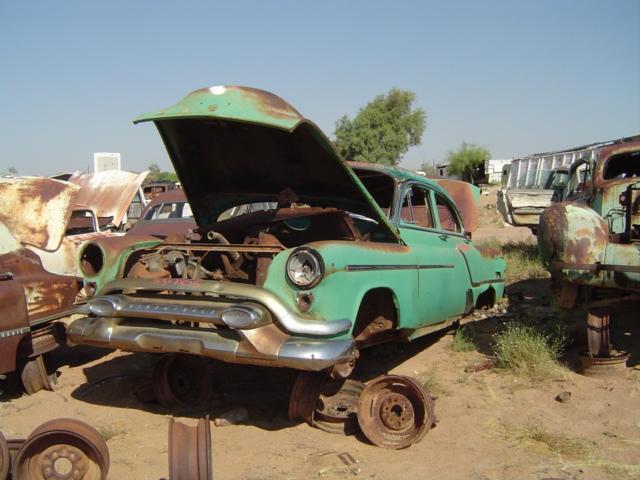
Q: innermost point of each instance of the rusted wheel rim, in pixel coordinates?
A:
(337, 406)
(190, 451)
(62, 449)
(5, 459)
(34, 376)
(304, 395)
(182, 380)
(395, 411)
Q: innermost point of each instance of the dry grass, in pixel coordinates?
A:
(109, 432)
(528, 352)
(432, 384)
(463, 340)
(522, 258)
(536, 437)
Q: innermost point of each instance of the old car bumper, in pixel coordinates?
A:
(259, 346)
(215, 292)
(227, 321)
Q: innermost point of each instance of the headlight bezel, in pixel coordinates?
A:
(316, 260)
(89, 264)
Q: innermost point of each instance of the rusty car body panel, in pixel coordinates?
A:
(345, 257)
(100, 209)
(34, 214)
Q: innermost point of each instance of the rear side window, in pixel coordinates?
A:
(448, 218)
(415, 208)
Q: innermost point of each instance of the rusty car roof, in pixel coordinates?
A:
(108, 193)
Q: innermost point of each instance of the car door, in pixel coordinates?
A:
(439, 264)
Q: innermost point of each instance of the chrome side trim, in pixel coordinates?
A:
(298, 353)
(367, 268)
(15, 331)
(288, 319)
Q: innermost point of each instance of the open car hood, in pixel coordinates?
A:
(36, 210)
(107, 193)
(238, 145)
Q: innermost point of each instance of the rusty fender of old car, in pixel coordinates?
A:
(33, 214)
(591, 241)
(351, 255)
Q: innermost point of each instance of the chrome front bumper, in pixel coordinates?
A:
(260, 346)
(217, 291)
(227, 321)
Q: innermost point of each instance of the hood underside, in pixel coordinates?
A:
(238, 145)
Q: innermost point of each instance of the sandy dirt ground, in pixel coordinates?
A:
(483, 432)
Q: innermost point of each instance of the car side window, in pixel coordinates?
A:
(152, 214)
(415, 208)
(448, 219)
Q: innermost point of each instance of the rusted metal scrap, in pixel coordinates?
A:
(337, 406)
(63, 448)
(5, 458)
(395, 411)
(190, 451)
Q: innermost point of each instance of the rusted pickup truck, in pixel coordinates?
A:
(591, 241)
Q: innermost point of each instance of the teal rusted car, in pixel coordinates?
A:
(352, 255)
(590, 242)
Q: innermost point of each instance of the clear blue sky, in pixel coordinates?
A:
(516, 77)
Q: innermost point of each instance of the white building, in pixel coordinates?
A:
(493, 169)
(103, 161)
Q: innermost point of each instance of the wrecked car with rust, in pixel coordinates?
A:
(351, 256)
(591, 241)
(34, 213)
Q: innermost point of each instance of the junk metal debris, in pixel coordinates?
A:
(337, 406)
(63, 448)
(190, 451)
(395, 411)
(69, 449)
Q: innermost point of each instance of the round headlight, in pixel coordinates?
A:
(305, 268)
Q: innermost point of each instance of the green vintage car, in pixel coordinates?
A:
(353, 255)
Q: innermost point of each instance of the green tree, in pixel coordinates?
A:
(154, 171)
(12, 171)
(156, 174)
(465, 160)
(383, 130)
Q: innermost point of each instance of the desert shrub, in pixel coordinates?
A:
(526, 350)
